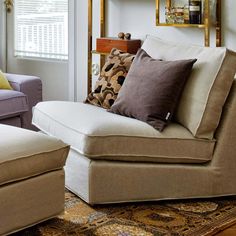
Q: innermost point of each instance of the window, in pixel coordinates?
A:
(41, 29)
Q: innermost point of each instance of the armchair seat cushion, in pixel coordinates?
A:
(32, 154)
(12, 103)
(101, 135)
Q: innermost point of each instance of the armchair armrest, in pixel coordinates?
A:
(31, 86)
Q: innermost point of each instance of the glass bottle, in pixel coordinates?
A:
(179, 15)
(186, 14)
(170, 15)
(195, 11)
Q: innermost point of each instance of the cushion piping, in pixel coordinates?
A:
(124, 155)
(35, 174)
(111, 135)
(31, 155)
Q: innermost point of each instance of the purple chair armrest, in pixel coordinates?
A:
(30, 86)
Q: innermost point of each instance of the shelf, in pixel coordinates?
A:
(206, 19)
(205, 26)
(202, 26)
(100, 53)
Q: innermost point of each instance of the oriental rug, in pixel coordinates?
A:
(163, 218)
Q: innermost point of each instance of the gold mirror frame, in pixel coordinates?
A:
(9, 5)
(90, 37)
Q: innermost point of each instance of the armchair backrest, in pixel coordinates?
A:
(225, 150)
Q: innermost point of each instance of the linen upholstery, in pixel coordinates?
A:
(98, 134)
(31, 178)
(111, 79)
(206, 90)
(216, 178)
(226, 136)
(31, 201)
(12, 103)
(216, 97)
(138, 181)
(152, 89)
(78, 181)
(25, 154)
(107, 181)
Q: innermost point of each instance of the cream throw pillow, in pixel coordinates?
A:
(207, 88)
(4, 84)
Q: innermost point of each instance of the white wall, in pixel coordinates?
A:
(229, 23)
(2, 36)
(138, 18)
(81, 49)
(81, 45)
(134, 16)
(53, 73)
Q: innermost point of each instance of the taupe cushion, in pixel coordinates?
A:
(152, 89)
(111, 79)
(207, 88)
(98, 134)
(25, 153)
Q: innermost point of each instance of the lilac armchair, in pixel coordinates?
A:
(16, 105)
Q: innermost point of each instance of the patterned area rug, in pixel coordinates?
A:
(169, 218)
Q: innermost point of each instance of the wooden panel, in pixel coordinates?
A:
(218, 23)
(157, 12)
(207, 22)
(106, 44)
(228, 232)
(102, 26)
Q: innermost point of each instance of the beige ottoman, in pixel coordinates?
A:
(31, 178)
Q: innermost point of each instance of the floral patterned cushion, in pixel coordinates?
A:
(111, 79)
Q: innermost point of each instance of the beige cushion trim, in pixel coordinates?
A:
(116, 137)
(159, 150)
(26, 153)
(27, 167)
(217, 96)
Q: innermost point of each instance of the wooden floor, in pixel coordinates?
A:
(228, 232)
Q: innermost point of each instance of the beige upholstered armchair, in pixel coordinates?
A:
(120, 159)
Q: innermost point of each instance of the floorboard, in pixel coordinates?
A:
(228, 232)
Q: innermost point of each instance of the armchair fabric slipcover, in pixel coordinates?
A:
(120, 159)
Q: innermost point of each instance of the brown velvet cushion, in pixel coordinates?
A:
(152, 89)
(111, 79)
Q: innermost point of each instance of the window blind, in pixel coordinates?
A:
(41, 28)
